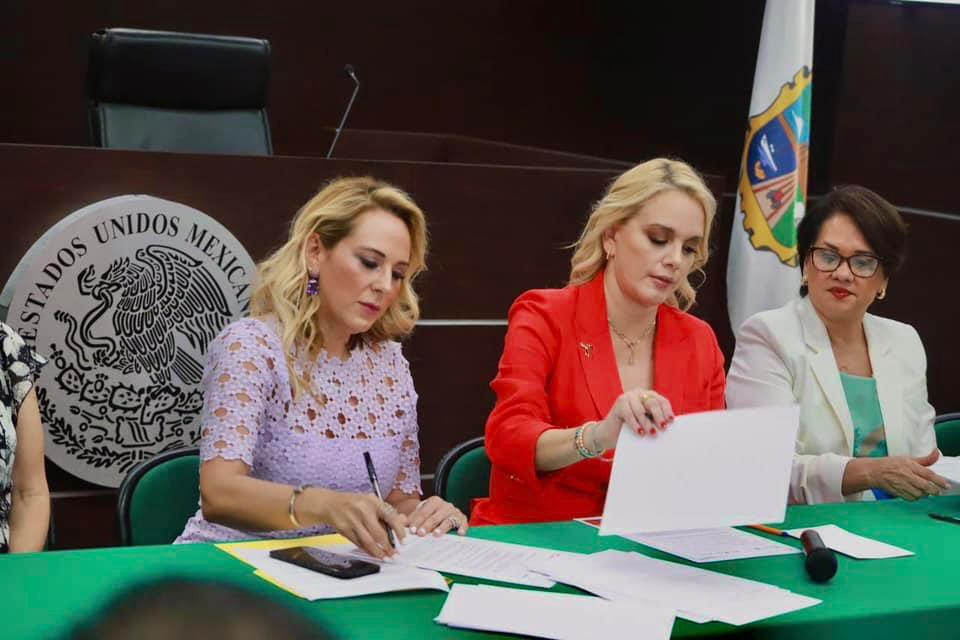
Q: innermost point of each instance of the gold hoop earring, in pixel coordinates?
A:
(803, 281)
(882, 294)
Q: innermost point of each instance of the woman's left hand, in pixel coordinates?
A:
(437, 516)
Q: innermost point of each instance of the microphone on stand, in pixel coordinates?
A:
(821, 562)
(351, 73)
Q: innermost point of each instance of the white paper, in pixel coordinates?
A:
(850, 544)
(552, 615)
(713, 545)
(707, 470)
(948, 468)
(696, 594)
(317, 586)
(486, 559)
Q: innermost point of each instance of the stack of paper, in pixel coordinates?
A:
(696, 594)
(850, 544)
(552, 615)
(311, 585)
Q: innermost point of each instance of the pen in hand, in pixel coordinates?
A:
(372, 473)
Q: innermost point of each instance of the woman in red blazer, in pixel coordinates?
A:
(613, 349)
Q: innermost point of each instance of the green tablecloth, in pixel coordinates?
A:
(44, 594)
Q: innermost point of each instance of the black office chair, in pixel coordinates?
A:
(185, 92)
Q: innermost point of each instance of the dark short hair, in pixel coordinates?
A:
(878, 221)
(181, 608)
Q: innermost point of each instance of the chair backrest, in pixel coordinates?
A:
(185, 92)
(463, 474)
(158, 496)
(947, 427)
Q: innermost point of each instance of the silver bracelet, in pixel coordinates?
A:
(290, 506)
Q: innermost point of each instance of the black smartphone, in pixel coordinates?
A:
(325, 562)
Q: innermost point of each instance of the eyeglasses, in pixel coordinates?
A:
(862, 265)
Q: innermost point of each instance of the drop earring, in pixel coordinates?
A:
(882, 294)
(313, 284)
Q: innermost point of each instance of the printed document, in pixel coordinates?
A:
(487, 559)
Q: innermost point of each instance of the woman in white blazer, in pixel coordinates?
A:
(866, 428)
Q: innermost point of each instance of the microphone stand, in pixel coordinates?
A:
(349, 70)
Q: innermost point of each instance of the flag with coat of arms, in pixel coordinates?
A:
(762, 272)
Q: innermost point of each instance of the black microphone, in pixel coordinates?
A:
(821, 562)
(351, 73)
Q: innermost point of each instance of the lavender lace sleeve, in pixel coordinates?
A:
(236, 383)
(408, 477)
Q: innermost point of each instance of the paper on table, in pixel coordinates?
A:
(712, 469)
(552, 615)
(713, 545)
(697, 594)
(850, 544)
(473, 557)
(311, 585)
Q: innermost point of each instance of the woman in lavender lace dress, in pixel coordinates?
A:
(295, 394)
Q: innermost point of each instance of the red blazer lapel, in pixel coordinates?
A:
(671, 361)
(595, 346)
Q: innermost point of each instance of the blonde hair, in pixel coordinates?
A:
(280, 287)
(626, 195)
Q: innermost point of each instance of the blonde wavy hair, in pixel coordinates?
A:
(623, 199)
(281, 282)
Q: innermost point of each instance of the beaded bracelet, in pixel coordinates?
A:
(293, 498)
(581, 447)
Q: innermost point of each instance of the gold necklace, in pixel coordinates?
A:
(632, 344)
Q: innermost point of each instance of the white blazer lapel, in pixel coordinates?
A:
(886, 372)
(824, 367)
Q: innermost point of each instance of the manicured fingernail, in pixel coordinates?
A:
(653, 431)
(663, 425)
(422, 532)
(641, 431)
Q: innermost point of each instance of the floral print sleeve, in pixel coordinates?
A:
(21, 366)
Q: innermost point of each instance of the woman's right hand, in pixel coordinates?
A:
(360, 518)
(907, 478)
(642, 410)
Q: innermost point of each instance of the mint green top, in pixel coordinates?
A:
(869, 436)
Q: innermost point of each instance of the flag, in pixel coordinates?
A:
(762, 272)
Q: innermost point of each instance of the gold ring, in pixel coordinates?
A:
(644, 396)
(387, 509)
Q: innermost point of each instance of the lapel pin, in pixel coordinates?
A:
(587, 348)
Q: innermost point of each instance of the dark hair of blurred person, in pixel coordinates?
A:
(185, 608)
